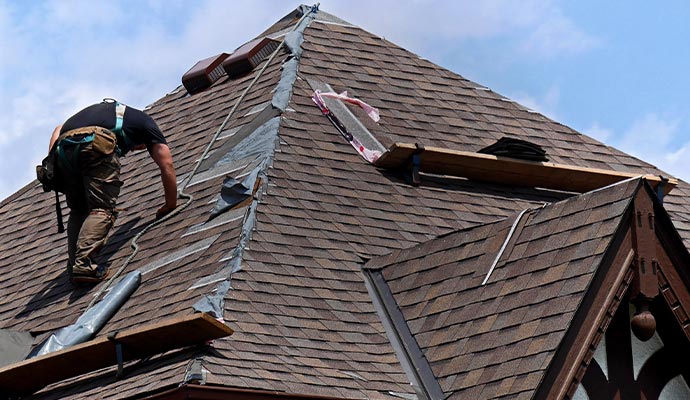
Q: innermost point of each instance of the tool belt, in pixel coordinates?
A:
(103, 141)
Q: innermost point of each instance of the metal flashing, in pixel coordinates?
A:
(93, 319)
(504, 245)
(214, 304)
(326, 22)
(14, 346)
(409, 354)
(229, 132)
(233, 191)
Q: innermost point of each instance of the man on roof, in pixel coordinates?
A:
(89, 146)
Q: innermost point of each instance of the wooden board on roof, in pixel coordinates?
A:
(510, 171)
(31, 375)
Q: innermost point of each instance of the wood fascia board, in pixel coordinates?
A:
(576, 347)
(509, 171)
(30, 375)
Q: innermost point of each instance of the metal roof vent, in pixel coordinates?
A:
(248, 56)
(516, 148)
(202, 75)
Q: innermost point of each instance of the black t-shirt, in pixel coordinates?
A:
(136, 124)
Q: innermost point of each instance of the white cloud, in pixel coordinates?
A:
(557, 34)
(650, 133)
(535, 26)
(654, 138)
(546, 104)
(599, 133)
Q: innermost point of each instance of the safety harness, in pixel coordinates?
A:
(81, 137)
(124, 144)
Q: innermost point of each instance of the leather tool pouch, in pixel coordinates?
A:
(104, 141)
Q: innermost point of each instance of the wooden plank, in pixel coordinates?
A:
(31, 375)
(509, 171)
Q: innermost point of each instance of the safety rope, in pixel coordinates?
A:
(181, 193)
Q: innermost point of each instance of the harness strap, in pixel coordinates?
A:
(119, 117)
(58, 213)
(72, 166)
(123, 142)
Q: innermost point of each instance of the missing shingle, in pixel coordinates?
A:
(406, 396)
(226, 218)
(257, 108)
(227, 169)
(211, 279)
(197, 247)
(228, 150)
(229, 132)
(353, 375)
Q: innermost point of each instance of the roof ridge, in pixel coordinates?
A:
(214, 302)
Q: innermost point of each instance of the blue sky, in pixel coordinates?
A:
(615, 70)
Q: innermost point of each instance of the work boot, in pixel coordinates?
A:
(87, 274)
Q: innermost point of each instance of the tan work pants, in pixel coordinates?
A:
(92, 176)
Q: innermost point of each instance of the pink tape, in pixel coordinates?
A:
(368, 154)
(371, 111)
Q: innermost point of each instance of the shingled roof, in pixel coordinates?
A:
(489, 306)
(316, 212)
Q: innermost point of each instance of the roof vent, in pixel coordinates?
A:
(516, 148)
(248, 56)
(202, 75)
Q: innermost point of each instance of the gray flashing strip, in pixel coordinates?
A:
(347, 118)
(409, 354)
(214, 304)
(14, 346)
(93, 319)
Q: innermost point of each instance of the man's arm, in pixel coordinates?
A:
(163, 158)
(53, 138)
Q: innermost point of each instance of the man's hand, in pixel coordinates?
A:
(163, 211)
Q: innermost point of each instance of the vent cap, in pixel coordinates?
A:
(248, 56)
(204, 73)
